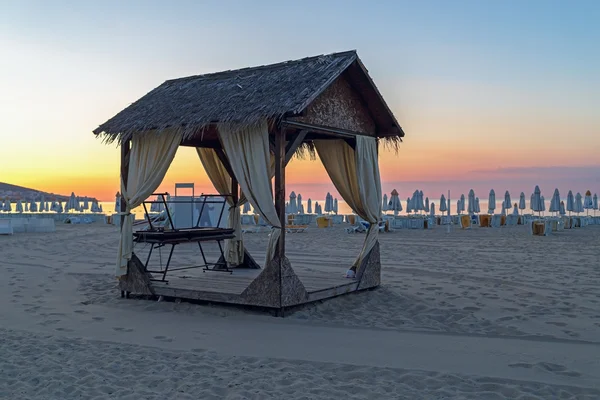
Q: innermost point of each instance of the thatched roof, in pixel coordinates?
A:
(244, 96)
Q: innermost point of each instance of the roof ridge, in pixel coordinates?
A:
(280, 64)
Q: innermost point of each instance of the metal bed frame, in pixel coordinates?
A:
(159, 237)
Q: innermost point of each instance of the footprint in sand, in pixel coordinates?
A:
(471, 308)
(119, 329)
(505, 319)
(82, 312)
(64, 330)
(163, 339)
(561, 324)
(548, 367)
(49, 322)
(96, 318)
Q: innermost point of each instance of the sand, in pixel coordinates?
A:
(485, 313)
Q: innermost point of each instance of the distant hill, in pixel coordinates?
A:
(14, 192)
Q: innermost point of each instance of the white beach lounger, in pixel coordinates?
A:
(6, 227)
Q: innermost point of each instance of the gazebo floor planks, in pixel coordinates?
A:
(222, 287)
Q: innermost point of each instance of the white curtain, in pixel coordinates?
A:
(218, 175)
(247, 148)
(150, 156)
(355, 174)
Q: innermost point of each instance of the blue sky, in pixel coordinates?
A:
(478, 74)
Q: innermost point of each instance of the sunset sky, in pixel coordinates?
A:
(501, 95)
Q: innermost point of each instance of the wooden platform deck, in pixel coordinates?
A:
(305, 278)
(228, 288)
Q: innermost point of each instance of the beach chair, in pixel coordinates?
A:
(6, 227)
(324, 222)
(540, 227)
(464, 222)
(474, 220)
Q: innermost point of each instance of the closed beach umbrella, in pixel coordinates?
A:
(414, 201)
(562, 210)
(86, 204)
(59, 209)
(522, 205)
(426, 204)
(588, 202)
(421, 201)
(507, 201)
(578, 203)
(395, 204)
(516, 209)
(384, 206)
(309, 206)
(292, 205)
(42, 207)
(531, 201)
(471, 202)
(335, 206)
(33, 206)
(462, 203)
(543, 203)
(246, 209)
(7, 206)
(26, 206)
(299, 203)
(19, 206)
(458, 206)
(492, 201)
(595, 203)
(555, 202)
(570, 202)
(408, 204)
(328, 203)
(477, 208)
(117, 202)
(443, 204)
(73, 205)
(536, 200)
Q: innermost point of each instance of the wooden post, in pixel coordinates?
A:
(280, 187)
(125, 149)
(280, 205)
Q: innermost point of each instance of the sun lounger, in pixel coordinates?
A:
(295, 228)
(6, 227)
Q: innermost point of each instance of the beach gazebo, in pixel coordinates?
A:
(246, 126)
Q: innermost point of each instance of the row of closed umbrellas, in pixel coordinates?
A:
(575, 203)
(295, 205)
(73, 204)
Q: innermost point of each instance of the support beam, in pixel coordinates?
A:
(225, 161)
(125, 149)
(339, 132)
(280, 206)
(293, 145)
(280, 187)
